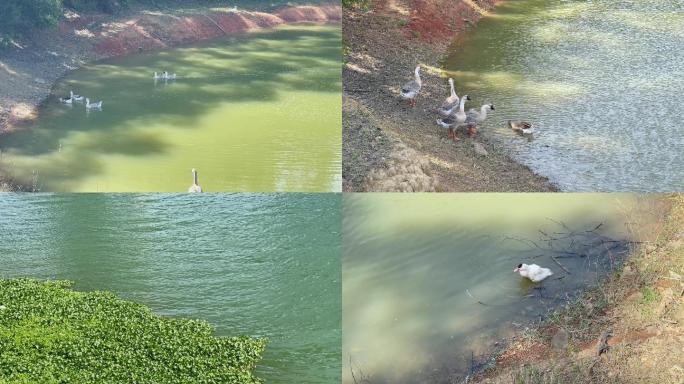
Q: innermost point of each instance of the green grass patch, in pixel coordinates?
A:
(649, 297)
(52, 334)
(361, 4)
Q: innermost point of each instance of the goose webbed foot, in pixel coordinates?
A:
(455, 137)
(472, 131)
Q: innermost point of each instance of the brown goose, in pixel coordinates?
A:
(474, 118)
(451, 102)
(410, 90)
(195, 187)
(454, 119)
(522, 127)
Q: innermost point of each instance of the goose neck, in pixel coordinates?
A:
(461, 105)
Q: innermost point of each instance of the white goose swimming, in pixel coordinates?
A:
(454, 119)
(164, 76)
(66, 100)
(451, 102)
(533, 272)
(75, 97)
(195, 187)
(474, 118)
(410, 90)
(90, 105)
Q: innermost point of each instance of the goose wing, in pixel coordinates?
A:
(410, 87)
(449, 104)
(472, 117)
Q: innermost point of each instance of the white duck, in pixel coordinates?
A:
(533, 272)
(521, 127)
(75, 97)
(195, 187)
(451, 102)
(158, 77)
(474, 118)
(90, 105)
(410, 90)
(454, 119)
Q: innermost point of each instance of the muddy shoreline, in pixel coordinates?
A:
(388, 146)
(628, 329)
(28, 72)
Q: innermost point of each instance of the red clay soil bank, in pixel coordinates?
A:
(153, 31)
(441, 20)
(84, 38)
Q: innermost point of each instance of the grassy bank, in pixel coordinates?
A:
(628, 330)
(52, 334)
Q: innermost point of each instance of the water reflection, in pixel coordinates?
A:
(601, 70)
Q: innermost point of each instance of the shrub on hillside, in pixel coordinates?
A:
(18, 15)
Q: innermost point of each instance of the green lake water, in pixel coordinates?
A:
(264, 265)
(256, 112)
(429, 288)
(601, 80)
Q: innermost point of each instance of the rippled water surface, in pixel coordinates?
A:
(429, 287)
(258, 112)
(601, 80)
(265, 265)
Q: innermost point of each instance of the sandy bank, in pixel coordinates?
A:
(390, 147)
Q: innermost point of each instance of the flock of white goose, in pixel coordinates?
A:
(164, 76)
(452, 111)
(73, 98)
(78, 98)
(195, 187)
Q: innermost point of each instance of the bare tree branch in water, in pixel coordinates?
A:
(561, 265)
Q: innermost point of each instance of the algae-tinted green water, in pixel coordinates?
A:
(601, 80)
(428, 281)
(264, 265)
(257, 112)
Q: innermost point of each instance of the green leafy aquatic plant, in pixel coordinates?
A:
(52, 334)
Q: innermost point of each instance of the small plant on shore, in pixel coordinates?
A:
(361, 4)
(51, 334)
(649, 297)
